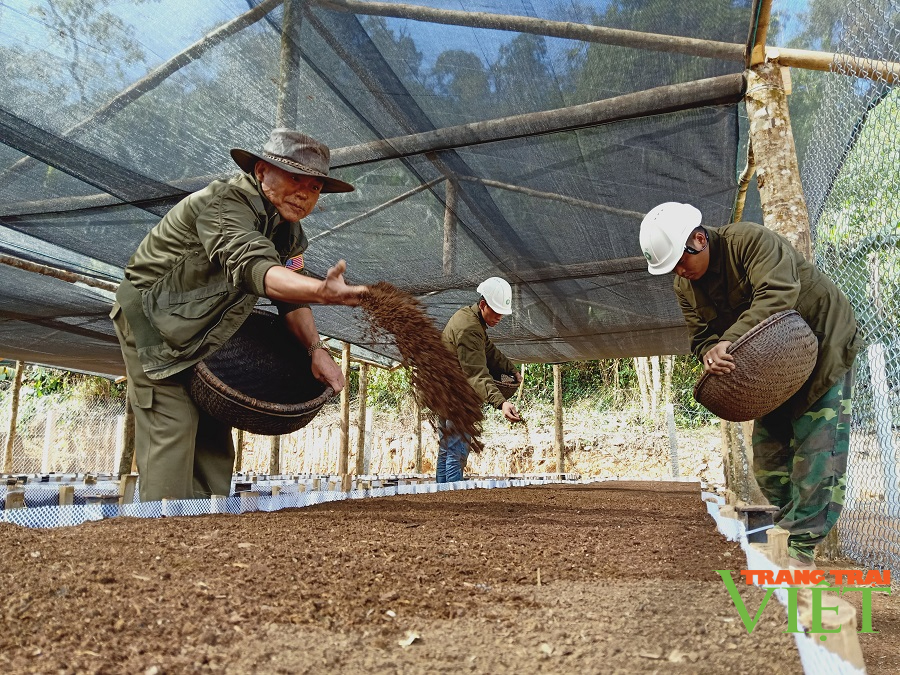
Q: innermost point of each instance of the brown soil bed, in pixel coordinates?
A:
(615, 577)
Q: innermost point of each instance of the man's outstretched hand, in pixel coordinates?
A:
(336, 291)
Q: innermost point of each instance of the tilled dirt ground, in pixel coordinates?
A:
(609, 578)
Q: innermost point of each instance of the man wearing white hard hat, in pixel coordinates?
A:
(729, 279)
(466, 336)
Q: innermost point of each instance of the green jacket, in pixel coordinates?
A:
(466, 336)
(198, 273)
(754, 273)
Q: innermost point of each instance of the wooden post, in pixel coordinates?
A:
(127, 483)
(275, 456)
(361, 418)
(449, 266)
(288, 93)
(126, 459)
(418, 413)
(777, 170)
(558, 441)
(49, 439)
(66, 495)
(13, 414)
(344, 453)
(239, 451)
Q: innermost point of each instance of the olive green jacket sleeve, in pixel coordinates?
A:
(478, 357)
(759, 276)
(754, 273)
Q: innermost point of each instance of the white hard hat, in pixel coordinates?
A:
(497, 293)
(664, 233)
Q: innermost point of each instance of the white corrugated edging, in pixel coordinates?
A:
(43, 512)
(816, 659)
(258, 499)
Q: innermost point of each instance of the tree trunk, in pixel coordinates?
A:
(777, 171)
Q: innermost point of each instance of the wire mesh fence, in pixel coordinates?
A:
(610, 428)
(852, 183)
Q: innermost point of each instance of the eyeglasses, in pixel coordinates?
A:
(693, 251)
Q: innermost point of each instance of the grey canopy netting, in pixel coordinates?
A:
(475, 152)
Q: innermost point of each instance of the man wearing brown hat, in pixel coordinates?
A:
(193, 281)
(727, 280)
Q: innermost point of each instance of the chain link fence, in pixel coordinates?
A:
(61, 434)
(852, 182)
(611, 427)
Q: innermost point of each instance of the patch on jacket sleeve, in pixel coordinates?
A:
(295, 263)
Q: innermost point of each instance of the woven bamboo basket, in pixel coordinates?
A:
(260, 380)
(507, 388)
(772, 362)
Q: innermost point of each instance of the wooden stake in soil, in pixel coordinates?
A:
(434, 371)
(558, 442)
(361, 419)
(344, 455)
(13, 414)
(127, 459)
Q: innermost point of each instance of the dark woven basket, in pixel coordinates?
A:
(772, 361)
(260, 380)
(507, 388)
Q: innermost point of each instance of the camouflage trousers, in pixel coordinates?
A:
(801, 466)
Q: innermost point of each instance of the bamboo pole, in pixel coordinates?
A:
(777, 169)
(418, 413)
(344, 453)
(153, 79)
(843, 64)
(743, 185)
(288, 81)
(449, 261)
(553, 196)
(558, 440)
(657, 101)
(758, 50)
(64, 275)
(534, 26)
(725, 51)
(13, 415)
(380, 207)
(361, 419)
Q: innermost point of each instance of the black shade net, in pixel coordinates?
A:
(552, 149)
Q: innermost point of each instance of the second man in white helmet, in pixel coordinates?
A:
(466, 336)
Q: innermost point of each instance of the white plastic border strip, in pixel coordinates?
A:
(816, 659)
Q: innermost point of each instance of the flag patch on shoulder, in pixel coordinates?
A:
(295, 263)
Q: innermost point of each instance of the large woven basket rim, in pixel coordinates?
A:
(746, 413)
(511, 387)
(214, 384)
(765, 324)
(772, 320)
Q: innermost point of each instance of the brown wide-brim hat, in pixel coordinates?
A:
(296, 153)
